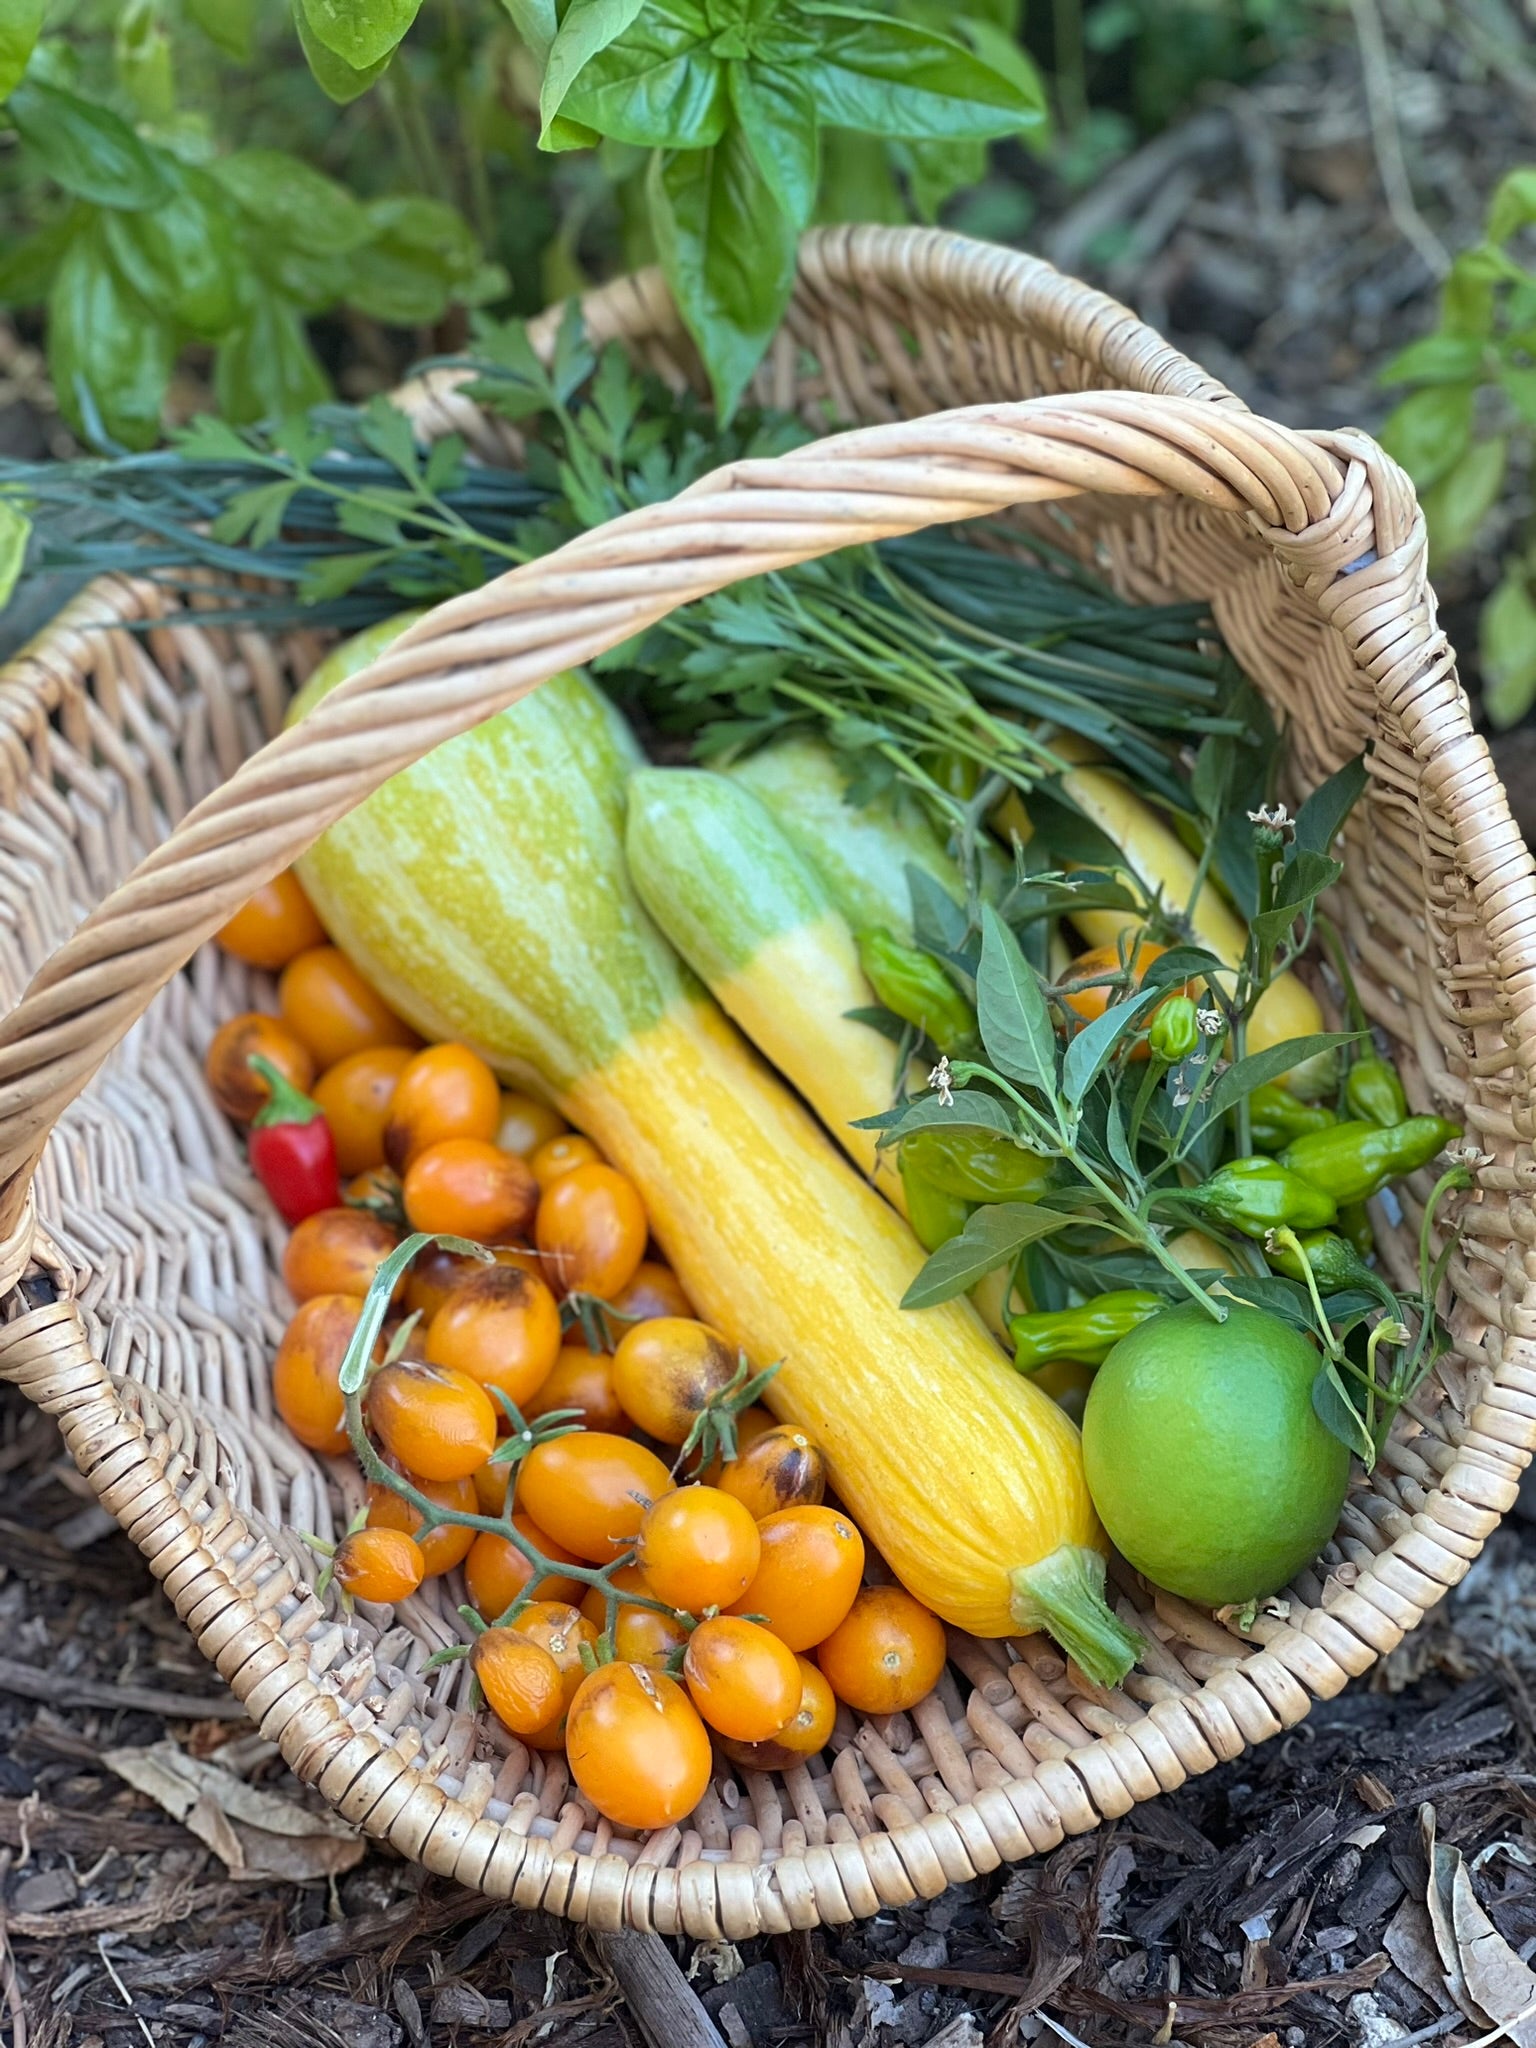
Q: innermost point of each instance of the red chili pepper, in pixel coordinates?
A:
(292, 1150)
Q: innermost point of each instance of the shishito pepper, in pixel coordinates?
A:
(1354, 1160)
(1334, 1261)
(1277, 1117)
(1086, 1335)
(915, 988)
(1373, 1093)
(1258, 1195)
(292, 1151)
(934, 1214)
(976, 1166)
(1355, 1226)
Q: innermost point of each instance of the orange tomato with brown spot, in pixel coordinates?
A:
(496, 1572)
(272, 926)
(561, 1630)
(591, 1228)
(441, 1548)
(377, 1190)
(502, 1327)
(382, 1565)
(306, 1373)
(336, 1251)
(886, 1655)
(742, 1679)
(666, 1372)
(590, 1490)
(636, 1747)
(447, 1091)
(809, 1569)
(781, 1468)
(654, 1291)
(235, 1084)
(326, 1003)
(805, 1735)
(355, 1095)
(439, 1423)
(467, 1188)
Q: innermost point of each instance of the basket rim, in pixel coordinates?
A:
(1332, 500)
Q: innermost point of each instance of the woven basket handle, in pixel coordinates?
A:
(1323, 501)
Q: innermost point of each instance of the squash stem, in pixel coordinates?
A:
(1064, 1595)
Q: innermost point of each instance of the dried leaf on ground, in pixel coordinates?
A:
(254, 1833)
(1487, 1979)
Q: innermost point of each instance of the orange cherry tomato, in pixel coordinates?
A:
(467, 1188)
(442, 1548)
(592, 1229)
(496, 1572)
(743, 1680)
(439, 1423)
(698, 1548)
(583, 1380)
(447, 1091)
(590, 1490)
(667, 1370)
(306, 1373)
(806, 1735)
(526, 1124)
(355, 1095)
(522, 1683)
(236, 1086)
(336, 1251)
(561, 1631)
(642, 1635)
(561, 1154)
(654, 1291)
(490, 1483)
(636, 1747)
(782, 1468)
(273, 925)
(378, 1564)
(886, 1655)
(502, 1327)
(808, 1576)
(433, 1275)
(1099, 961)
(327, 1003)
(376, 1190)
(627, 1579)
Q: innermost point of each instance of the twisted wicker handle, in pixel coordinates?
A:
(1322, 500)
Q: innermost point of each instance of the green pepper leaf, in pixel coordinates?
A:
(883, 76)
(21, 23)
(587, 29)
(1066, 835)
(266, 369)
(728, 252)
(777, 114)
(1182, 963)
(1091, 1048)
(360, 32)
(87, 149)
(939, 924)
(1287, 1299)
(967, 1108)
(337, 79)
(995, 1234)
(1339, 1416)
(182, 257)
(1302, 880)
(1011, 1009)
(1321, 817)
(292, 204)
(1260, 1068)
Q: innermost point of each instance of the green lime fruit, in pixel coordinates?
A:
(1209, 1468)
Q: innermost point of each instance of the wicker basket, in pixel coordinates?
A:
(137, 1277)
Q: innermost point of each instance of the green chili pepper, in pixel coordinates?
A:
(1334, 1262)
(915, 987)
(1278, 1116)
(1174, 1031)
(1258, 1195)
(1355, 1224)
(1086, 1335)
(935, 1216)
(1373, 1093)
(1354, 1160)
(975, 1165)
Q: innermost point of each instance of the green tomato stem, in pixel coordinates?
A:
(1064, 1595)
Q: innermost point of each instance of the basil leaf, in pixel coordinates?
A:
(181, 257)
(1259, 1068)
(293, 204)
(267, 369)
(360, 32)
(421, 258)
(588, 28)
(28, 268)
(15, 531)
(994, 1234)
(1089, 1052)
(728, 254)
(340, 81)
(857, 181)
(87, 149)
(108, 353)
(228, 24)
(936, 171)
(968, 1109)
(21, 23)
(1010, 1006)
(777, 114)
(537, 23)
(1429, 432)
(888, 77)
(657, 87)
(1321, 818)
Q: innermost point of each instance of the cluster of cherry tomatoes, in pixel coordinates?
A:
(687, 1602)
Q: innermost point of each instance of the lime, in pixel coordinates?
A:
(1210, 1471)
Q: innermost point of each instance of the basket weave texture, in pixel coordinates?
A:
(139, 1301)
